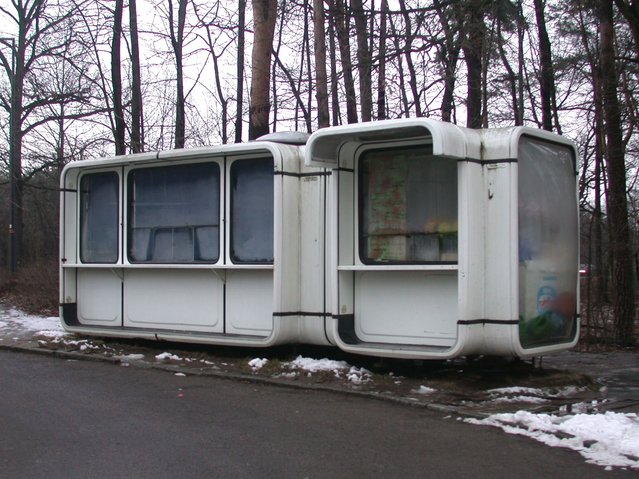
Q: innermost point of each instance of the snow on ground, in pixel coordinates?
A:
(168, 357)
(257, 363)
(424, 390)
(338, 368)
(610, 439)
(13, 319)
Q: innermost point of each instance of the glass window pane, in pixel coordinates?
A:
(548, 262)
(174, 214)
(407, 207)
(99, 218)
(252, 211)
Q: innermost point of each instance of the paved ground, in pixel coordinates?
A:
(594, 381)
(88, 419)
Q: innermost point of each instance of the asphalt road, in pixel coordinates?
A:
(86, 419)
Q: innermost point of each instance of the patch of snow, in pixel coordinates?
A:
(610, 439)
(520, 398)
(52, 334)
(180, 374)
(516, 390)
(358, 375)
(351, 373)
(14, 318)
(257, 363)
(516, 394)
(568, 391)
(130, 357)
(167, 356)
(582, 407)
(317, 365)
(423, 390)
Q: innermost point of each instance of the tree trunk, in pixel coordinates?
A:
(137, 136)
(241, 25)
(177, 42)
(546, 72)
(408, 47)
(264, 16)
(473, 53)
(520, 61)
(276, 59)
(309, 68)
(341, 27)
(381, 72)
(321, 79)
(450, 55)
(116, 78)
(596, 275)
(16, 226)
(335, 109)
(363, 61)
(400, 69)
(510, 75)
(623, 274)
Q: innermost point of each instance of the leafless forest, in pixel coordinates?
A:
(82, 79)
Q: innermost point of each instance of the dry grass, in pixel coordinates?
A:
(33, 289)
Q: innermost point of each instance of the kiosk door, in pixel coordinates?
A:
(407, 237)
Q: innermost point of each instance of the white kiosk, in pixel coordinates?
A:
(447, 241)
(404, 238)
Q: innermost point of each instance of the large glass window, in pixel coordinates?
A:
(174, 214)
(252, 211)
(99, 218)
(407, 206)
(548, 235)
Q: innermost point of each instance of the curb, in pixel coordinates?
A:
(435, 407)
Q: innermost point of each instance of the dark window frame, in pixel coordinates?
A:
(233, 166)
(361, 204)
(130, 205)
(116, 224)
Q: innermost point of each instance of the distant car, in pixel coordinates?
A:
(584, 270)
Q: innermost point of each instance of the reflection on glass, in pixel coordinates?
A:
(99, 218)
(174, 214)
(407, 206)
(548, 271)
(252, 211)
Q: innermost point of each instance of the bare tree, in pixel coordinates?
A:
(241, 25)
(119, 132)
(547, 74)
(450, 48)
(381, 60)
(41, 34)
(473, 47)
(511, 77)
(176, 33)
(137, 130)
(213, 38)
(338, 16)
(364, 61)
(408, 48)
(264, 16)
(623, 274)
(321, 79)
(335, 106)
